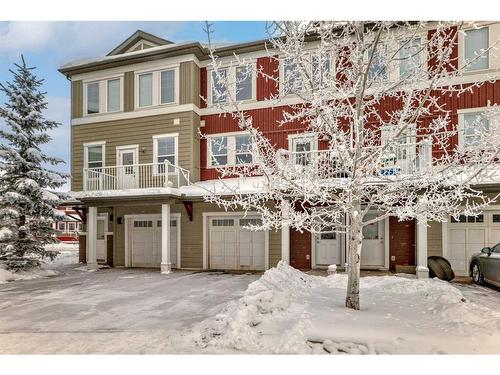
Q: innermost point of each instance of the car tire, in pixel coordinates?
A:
(446, 267)
(435, 269)
(477, 274)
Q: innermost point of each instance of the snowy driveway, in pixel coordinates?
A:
(109, 311)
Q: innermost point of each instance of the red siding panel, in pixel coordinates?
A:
(267, 87)
(203, 87)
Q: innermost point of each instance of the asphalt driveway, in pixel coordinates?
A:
(123, 311)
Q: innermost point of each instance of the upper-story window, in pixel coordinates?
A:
(157, 88)
(93, 98)
(303, 147)
(410, 55)
(475, 124)
(146, 90)
(291, 82)
(94, 155)
(230, 150)
(114, 93)
(103, 96)
(377, 70)
(237, 82)
(165, 150)
(476, 41)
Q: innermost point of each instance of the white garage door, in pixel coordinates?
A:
(145, 241)
(232, 246)
(468, 235)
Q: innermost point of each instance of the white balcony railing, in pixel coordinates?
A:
(136, 176)
(404, 159)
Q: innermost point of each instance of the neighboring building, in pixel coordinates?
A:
(69, 228)
(140, 106)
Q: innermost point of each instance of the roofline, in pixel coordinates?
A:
(127, 43)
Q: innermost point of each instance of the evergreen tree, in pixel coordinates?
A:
(28, 202)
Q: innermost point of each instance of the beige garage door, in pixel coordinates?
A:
(145, 241)
(232, 245)
(468, 235)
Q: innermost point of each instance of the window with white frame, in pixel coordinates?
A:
(476, 41)
(238, 82)
(94, 155)
(410, 55)
(291, 79)
(230, 150)
(165, 150)
(167, 86)
(321, 66)
(114, 95)
(219, 85)
(145, 90)
(71, 227)
(378, 70)
(475, 125)
(93, 102)
(303, 147)
(244, 82)
(62, 226)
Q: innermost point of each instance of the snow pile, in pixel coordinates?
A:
(67, 254)
(287, 311)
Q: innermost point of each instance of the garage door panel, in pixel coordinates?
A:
(231, 246)
(457, 236)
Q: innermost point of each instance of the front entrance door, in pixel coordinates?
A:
(372, 252)
(327, 249)
(127, 173)
(402, 242)
(300, 249)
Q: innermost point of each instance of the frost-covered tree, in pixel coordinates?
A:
(27, 199)
(374, 95)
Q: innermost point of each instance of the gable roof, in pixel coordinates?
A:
(135, 38)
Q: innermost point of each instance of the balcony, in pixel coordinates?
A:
(135, 176)
(399, 160)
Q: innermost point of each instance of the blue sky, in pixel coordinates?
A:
(48, 45)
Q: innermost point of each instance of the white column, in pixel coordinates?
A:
(422, 270)
(92, 239)
(285, 233)
(166, 266)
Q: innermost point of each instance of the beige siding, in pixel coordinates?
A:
(76, 99)
(137, 131)
(128, 92)
(189, 76)
(435, 239)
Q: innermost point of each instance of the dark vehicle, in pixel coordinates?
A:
(484, 267)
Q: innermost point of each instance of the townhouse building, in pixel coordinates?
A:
(139, 164)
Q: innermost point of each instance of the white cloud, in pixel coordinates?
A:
(71, 40)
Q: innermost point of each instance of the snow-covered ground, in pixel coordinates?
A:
(283, 311)
(287, 311)
(68, 254)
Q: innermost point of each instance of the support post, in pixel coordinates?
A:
(285, 233)
(166, 266)
(92, 239)
(422, 270)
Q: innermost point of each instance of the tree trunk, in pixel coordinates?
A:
(354, 263)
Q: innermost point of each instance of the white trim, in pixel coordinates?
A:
(156, 86)
(312, 137)
(140, 112)
(207, 215)
(231, 149)
(143, 66)
(461, 121)
(176, 216)
(386, 243)
(155, 147)
(461, 50)
(85, 152)
(231, 81)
